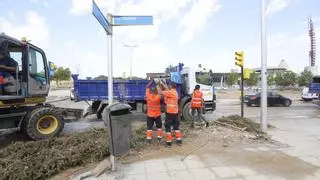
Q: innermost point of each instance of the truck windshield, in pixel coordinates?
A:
(204, 78)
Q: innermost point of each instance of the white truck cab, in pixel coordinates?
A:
(202, 77)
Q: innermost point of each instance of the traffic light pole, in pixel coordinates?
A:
(239, 62)
(242, 91)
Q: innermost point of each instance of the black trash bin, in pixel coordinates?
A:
(120, 116)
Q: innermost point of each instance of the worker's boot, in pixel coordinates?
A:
(178, 135)
(168, 139)
(168, 144)
(159, 134)
(179, 142)
(149, 136)
(207, 124)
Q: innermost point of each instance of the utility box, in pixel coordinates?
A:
(118, 118)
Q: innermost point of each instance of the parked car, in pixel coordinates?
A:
(247, 96)
(273, 99)
(306, 96)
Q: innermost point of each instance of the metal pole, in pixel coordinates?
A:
(241, 91)
(131, 56)
(264, 88)
(131, 62)
(110, 99)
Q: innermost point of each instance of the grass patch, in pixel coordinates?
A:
(240, 122)
(43, 159)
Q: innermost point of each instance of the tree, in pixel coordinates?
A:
(278, 79)
(101, 77)
(61, 74)
(290, 78)
(304, 78)
(286, 79)
(232, 78)
(271, 79)
(253, 80)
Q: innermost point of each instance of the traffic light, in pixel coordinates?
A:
(246, 73)
(239, 58)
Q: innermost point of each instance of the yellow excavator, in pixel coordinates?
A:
(24, 87)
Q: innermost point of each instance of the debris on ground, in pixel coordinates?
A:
(45, 158)
(242, 123)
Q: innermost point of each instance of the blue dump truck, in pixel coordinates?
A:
(133, 91)
(314, 85)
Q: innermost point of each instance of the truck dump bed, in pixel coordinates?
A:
(314, 86)
(97, 90)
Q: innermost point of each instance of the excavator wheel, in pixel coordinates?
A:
(43, 123)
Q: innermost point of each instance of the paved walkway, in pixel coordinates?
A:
(258, 162)
(302, 136)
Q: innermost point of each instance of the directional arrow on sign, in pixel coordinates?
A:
(101, 18)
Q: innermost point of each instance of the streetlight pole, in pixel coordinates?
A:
(263, 119)
(131, 49)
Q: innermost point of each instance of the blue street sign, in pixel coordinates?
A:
(100, 17)
(132, 20)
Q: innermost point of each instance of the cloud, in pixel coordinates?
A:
(196, 19)
(292, 47)
(276, 6)
(45, 2)
(34, 29)
(81, 7)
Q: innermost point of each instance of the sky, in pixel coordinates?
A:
(193, 32)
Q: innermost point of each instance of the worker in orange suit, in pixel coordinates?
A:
(197, 105)
(172, 113)
(153, 112)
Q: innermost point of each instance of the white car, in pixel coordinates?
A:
(306, 96)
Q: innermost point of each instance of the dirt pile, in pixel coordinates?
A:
(42, 159)
(242, 123)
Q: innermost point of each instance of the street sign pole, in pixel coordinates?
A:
(242, 91)
(110, 87)
(263, 120)
(108, 24)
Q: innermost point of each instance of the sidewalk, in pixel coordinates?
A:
(302, 135)
(256, 162)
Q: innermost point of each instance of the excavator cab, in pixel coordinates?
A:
(24, 86)
(29, 83)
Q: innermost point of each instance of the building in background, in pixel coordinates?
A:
(282, 67)
(312, 52)
(313, 67)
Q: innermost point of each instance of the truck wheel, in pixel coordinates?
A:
(186, 112)
(43, 123)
